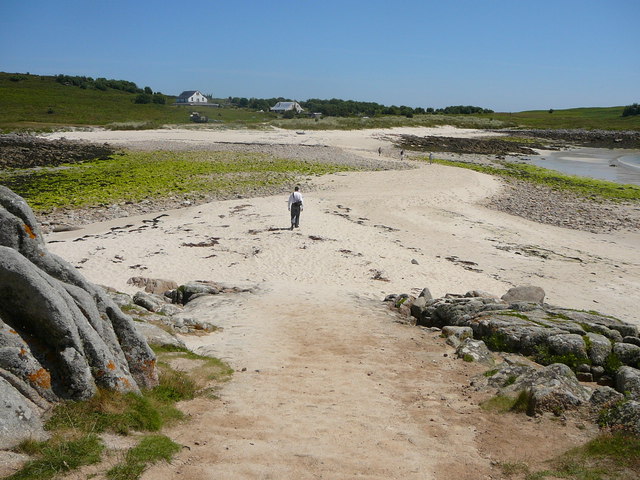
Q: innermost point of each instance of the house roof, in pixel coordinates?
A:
(188, 93)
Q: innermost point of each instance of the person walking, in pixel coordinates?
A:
(430, 158)
(379, 151)
(295, 207)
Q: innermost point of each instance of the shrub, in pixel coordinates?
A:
(142, 98)
(631, 110)
(612, 363)
(543, 356)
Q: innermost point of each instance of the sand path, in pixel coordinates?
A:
(334, 386)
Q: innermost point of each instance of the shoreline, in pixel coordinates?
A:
(352, 148)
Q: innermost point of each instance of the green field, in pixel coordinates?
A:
(39, 103)
(606, 118)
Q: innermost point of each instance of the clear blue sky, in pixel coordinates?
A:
(508, 55)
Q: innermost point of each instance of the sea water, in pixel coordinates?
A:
(614, 165)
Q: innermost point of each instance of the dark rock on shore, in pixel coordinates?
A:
(27, 151)
(482, 146)
(584, 138)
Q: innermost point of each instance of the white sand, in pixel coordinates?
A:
(433, 212)
(333, 387)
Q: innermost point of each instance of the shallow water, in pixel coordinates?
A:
(620, 166)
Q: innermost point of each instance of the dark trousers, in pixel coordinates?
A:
(295, 215)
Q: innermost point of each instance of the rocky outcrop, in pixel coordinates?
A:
(61, 337)
(567, 347)
(171, 313)
(26, 151)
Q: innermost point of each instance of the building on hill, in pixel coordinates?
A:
(191, 97)
(282, 107)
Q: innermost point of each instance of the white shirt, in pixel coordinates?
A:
(294, 197)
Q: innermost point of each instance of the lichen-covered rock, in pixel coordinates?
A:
(598, 347)
(507, 373)
(567, 344)
(554, 388)
(632, 340)
(605, 397)
(19, 418)
(61, 337)
(628, 382)
(456, 335)
(628, 353)
(472, 350)
(624, 415)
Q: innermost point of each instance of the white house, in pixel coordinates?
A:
(282, 107)
(190, 97)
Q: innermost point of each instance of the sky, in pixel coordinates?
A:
(506, 55)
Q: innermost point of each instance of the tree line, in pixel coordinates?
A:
(336, 107)
(144, 95)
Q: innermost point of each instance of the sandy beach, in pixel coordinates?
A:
(334, 386)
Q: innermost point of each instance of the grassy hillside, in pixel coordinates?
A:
(40, 103)
(606, 118)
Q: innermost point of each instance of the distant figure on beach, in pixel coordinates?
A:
(401, 154)
(430, 158)
(295, 207)
(379, 151)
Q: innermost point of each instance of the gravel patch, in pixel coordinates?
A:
(563, 209)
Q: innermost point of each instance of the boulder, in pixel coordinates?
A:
(456, 335)
(567, 344)
(157, 336)
(624, 416)
(628, 353)
(632, 340)
(417, 307)
(481, 294)
(508, 372)
(20, 419)
(148, 301)
(121, 299)
(187, 292)
(628, 382)
(169, 309)
(425, 293)
(472, 350)
(554, 388)
(153, 285)
(598, 348)
(605, 397)
(61, 337)
(524, 293)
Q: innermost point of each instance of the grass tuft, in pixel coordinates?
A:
(57, 456)
(151, 449)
